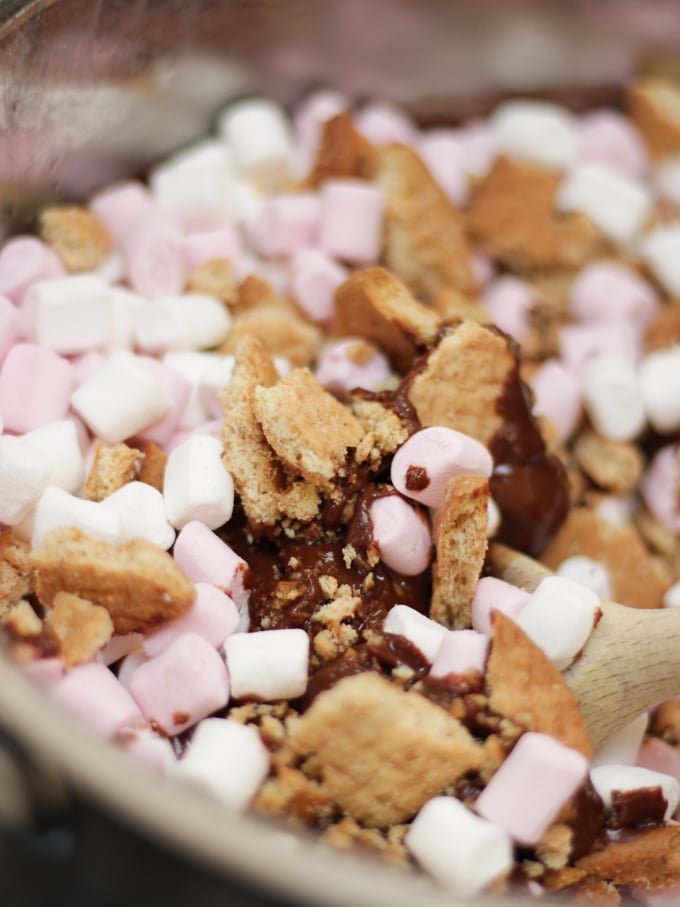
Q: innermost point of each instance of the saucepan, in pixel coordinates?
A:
(91, 91)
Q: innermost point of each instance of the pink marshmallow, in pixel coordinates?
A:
(428, 459)
(558, 397)
(286, 224)
(610, 137)
(442, 152)
(478, 146)
(153, 253)
(580, 342)
(151, 749)
(120, 206)
(314, 279)
(43, 672)
(118, 647)
(186, 682)
(339, 371)
(178, 390)
(461, 652)
(383, 123)
(35, 387)
(531, 787)
(25, 260)
(401, 535)
(213, 616)
(509, 301)
(223, 242)
(605, 291)
(86, 365)
(309, 118)
(483, 269)
(352, 221)
(205, 558)
(494, 594)
(93, 693)
(667, 897)
(10, 326)
(659, 756)
(660, 487)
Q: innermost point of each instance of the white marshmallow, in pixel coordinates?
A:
(141, 511)
(427, 635)
(621, 748)
(227, 758)
(197, 485)
(24, 473)
(148, 747)
(187, 322)
(536, 131)
(667, 179)
(671, 598)
(259, 135)
(194, 367)
(59, 445)
(121, 398)
(659, 377)
(610, 779)
(198, 190)
(589, 573)
(215, 378)
(269, 664)
(126, 308)
(59, 508)
(559, 617)
(612, 396)
(461, 851)
(660, 250)
(617, 204)
(70, 314)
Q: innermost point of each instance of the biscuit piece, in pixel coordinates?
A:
(292, 794)
(462, 381)
(425, 244)
(111, 468)
(342, 152)
(512, 216)
(280, 329)
(152, 469)
(22, 621)
(664, 330)
(525, 686)
(254, 292)
(383, 752)
(654, 106)
(374, 304)
(649, 859)
(310, 431)
(217, 278)
(452, 305)
(383, 431)
(138, 583)
(615, 466)
(17, 578)
(77, 236)
(81, 627)
(461, 546)
(636, 579)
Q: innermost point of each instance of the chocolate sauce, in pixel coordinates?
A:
(416, 478)
(443, 690)
(636, 808)
(586, 820)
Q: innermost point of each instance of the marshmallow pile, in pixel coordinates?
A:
(119, 332)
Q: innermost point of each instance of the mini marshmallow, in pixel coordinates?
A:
(24, 474)
(25, 260)
(610, 779)
(493, 518)
(314, 279)
(70, 314)
(509, 300)
(121, 399)
(461, 652)
(146, 746)
(589, 573)
(35, 387)
(531, 786)
(119, 206)
(659, 487)
(557, 396)
(118, 647)
(92, 693)
(616, 509)
(659, 373)
(621, 748)
(86, 365)
(494, 594)
(658, 756)
(213, 616)
(228, 758)
(400, 534)
(57, 507)
(182, 685)
(308, 120)
(607, 291)
(126, 309)
(559, 617)
(482, 268)
(268, 664)
(668, 897)
(462, 852)
(612, 396)
(193, 367)
(260, 139)
(220, 243)
(425, 634)
(580, 342)
(667, 179)
(153, 253)
(351, 363)
(196, 485)
(660, 250)
(197, 192)
(179, 390)
(617, 204)
(424, 463)
(383, 123)
(43, 672)
(187, 322)
(671, 597)
(535, 131)
(141, 512)
(609, 137)
(10, 326)
(286, 224)
(129, 664)
(205, 558)
(442, 152)
(351, 221)
(479, 147)
(59, 445)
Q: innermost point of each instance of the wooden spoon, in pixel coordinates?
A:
(630, 663)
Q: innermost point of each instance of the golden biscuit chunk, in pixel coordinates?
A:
(654, 107)
(280, 329)
(383, 752)
(461, 547)
(111, 468)
(21, 620)
(615, 466)
(664, 330)
(342, 153)
(647, 859)
(17, 578)
(77, 235)
(138, 583)
(215, 277)
(383, 431)
(81, 627)
(152, 469)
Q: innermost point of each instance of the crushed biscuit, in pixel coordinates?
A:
(81, 627)
(111, 468)
(138, 583)
(281, 330)
(654, 107)
(383, 752)
(152, 468)
(77, 235)
(215, 277)
(342, 152)
(292, 794)
(383, 430)
(615, 466)
(554, 848)
(21, 620)
(461, 547)
(347, 834)
(452, 305)
(648, 859)
(664, 331)
(17, 577)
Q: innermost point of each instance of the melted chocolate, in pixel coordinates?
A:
(586, 820)
(443, 690)
(416, 478)
(635, 808)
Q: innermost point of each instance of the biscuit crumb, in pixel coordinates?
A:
(77, 236)
(343, 152)
(17, 578)
(215, 277)
(654, 107)
(152, 468)
(554, 848)
(111, 468)
(81, 627)
(383, 430)
(21, 620)
(615, 466)
(649, 859)
(281, 330)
